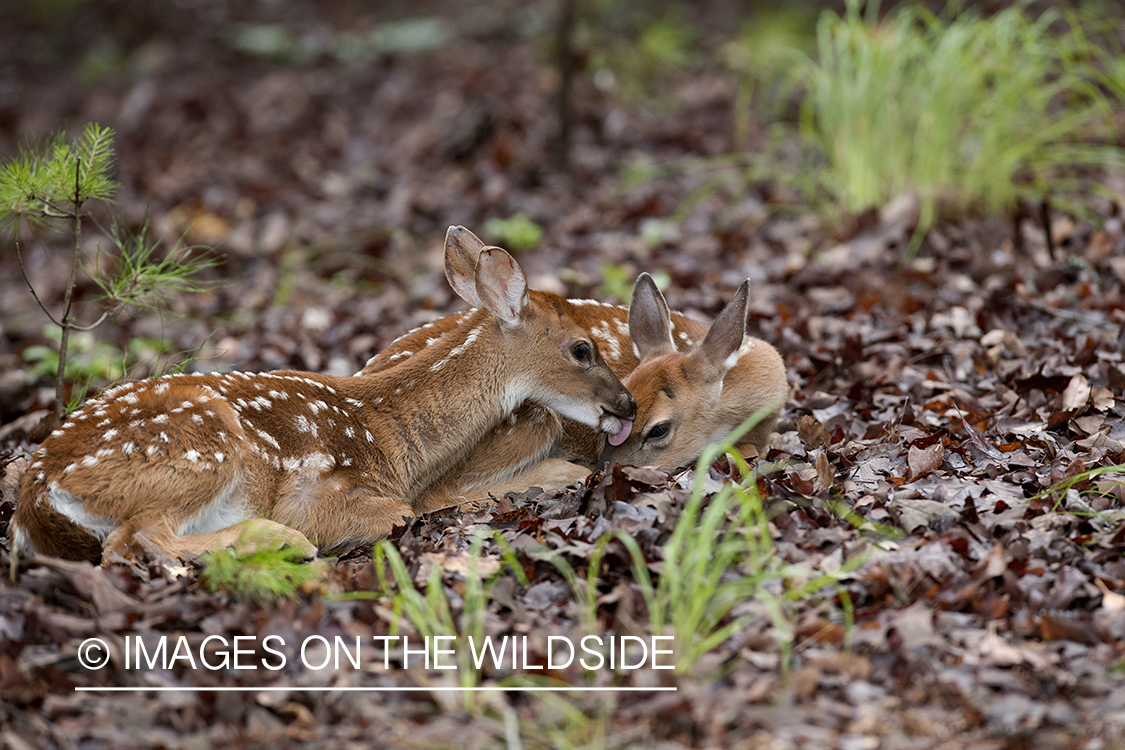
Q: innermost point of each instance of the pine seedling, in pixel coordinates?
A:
(50, 187)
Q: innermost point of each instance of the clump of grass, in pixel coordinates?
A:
(429, 612)
(265, 575)
(971, 113)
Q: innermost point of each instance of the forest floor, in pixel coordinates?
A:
(954, 588)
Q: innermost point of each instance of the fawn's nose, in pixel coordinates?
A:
(626, 407)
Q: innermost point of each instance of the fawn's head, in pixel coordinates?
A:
(560, 364)
(677, 392)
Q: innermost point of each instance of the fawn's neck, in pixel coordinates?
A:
(431, 408)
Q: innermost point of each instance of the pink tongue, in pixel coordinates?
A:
(619, 437)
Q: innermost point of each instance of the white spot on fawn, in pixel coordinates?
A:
(109, 435)
(160, 419)
(192, 455)
(270, 439)
(90, 461)
(603, 334)
(473, 335)
(304, 425)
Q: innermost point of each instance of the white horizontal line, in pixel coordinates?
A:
(299, 689)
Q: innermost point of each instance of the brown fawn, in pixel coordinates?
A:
(188, 463)
(693, 385)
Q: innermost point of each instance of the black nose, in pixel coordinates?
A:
(628, 408)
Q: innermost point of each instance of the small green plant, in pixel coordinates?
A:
(618, 285)
(90, 359)
(266, 575)
(968, 114)
(46, 188)
(517, 232)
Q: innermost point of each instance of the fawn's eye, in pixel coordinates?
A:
(581, 351)
(658, 431)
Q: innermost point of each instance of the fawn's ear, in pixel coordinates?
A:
(462, 248)
(500, 285)
(717, 352)
(650, 323)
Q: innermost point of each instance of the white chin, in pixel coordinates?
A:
(610, 425)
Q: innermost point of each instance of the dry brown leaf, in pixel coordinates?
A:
(825, 474)
(458, 563)
(813, 432)
(916, 626)
(1103, 398)
(1076, 393)
(1090, 424)
(995, 563)
(924, 460)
